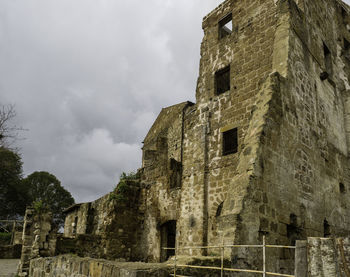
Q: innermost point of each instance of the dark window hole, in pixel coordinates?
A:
(294, 232)
(326, 229)
(222, 80)
(225, 26)
(219, 209)
(230, 142)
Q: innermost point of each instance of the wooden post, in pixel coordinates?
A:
(264, 256)
(176, 242)
(222, 254)
(13, 232)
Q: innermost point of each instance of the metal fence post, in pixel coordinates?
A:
(222, 255)
(222, 268)
(264, 256)
(176, 242)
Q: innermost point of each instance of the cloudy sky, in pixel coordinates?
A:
(89, 77)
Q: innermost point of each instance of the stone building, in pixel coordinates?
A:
(264, 150)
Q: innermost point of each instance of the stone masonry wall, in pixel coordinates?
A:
(76, 221)
(315, 257)
(304, 151)
(298, 182)
(289, 99)
(71, 266)
(109, 227)
(323, 257)
(10, 251)
(39, 238)
(206, 173)
(160, 201)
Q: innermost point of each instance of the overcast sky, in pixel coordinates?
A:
(89, 77)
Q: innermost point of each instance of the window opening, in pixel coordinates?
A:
(230, 142)
(294, 232)
(192, 221)
(346, 45)
(90, 220)
(328, 63)
(225, 26)
(343, 13)
(346, 51)
(222, 80)
(326, 229)
(341, 188)
(219, 209)
(75, 225)
(175, 173)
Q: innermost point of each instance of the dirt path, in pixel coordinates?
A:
(8, 268)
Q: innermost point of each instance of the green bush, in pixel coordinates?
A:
(122, 191)
(129, 176)
(40, 207)
(5, 238)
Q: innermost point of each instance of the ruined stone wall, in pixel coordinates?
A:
(314, 257)
(304, 151)
(289, 100)
(88, 218)
(39, 238)
(161, 201)
(206, 172)
(70, 222)
(10, 251)
(298, 184)
(328, 257)
(76, 221)
(109, 227)
(322, 257)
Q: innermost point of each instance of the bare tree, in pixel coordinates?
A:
(8, 132)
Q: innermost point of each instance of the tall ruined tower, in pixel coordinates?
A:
(263, 151)
(265, 148)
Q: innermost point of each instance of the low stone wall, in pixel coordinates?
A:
(314, 257)
(10, 251)
(329, 257)
(82, 245)
(72, 266)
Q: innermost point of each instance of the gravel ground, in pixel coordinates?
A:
(8, 268)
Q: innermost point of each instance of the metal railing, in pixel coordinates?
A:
(222, 269)
(10, 226)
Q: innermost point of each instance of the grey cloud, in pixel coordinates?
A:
(89, 77)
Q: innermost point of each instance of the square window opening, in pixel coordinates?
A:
(343, 13)
(346, 45)
(327, 58)
(225, 26)
(346, 51)
(175, 174)
(327, 63)
(222, 80)
(230, 142)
